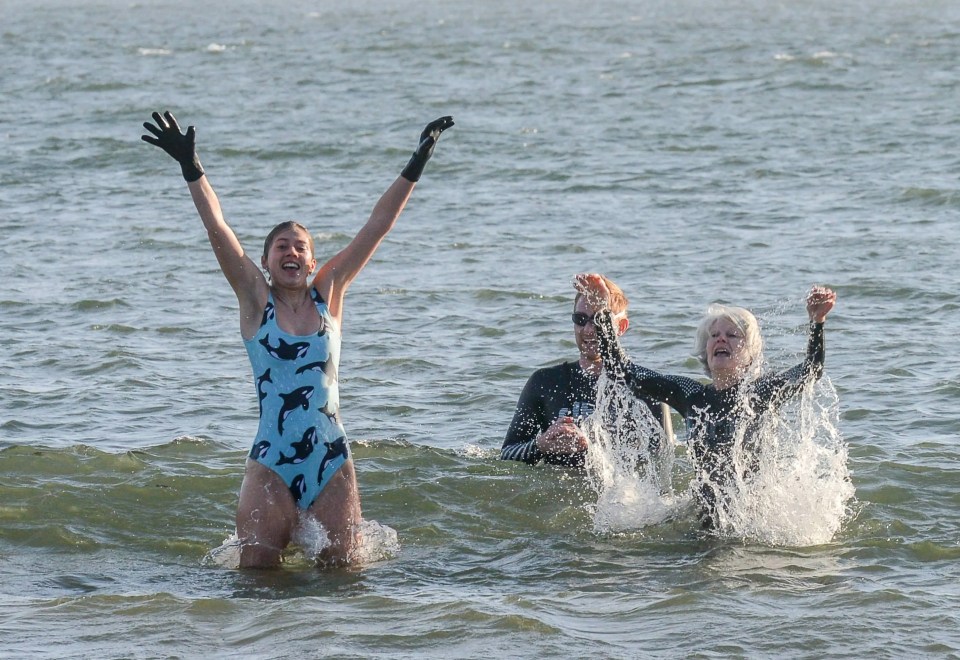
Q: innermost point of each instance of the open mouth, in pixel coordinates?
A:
(291, 266)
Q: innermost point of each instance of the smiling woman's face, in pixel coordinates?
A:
(290, 257)
(726, 354)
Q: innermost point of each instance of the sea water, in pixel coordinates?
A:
(733, 150)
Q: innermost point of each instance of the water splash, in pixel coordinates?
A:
(227, 555)
(311, 538)
(795, 489)
(629, 463)
(377, 542)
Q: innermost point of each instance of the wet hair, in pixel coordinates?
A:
(745, 321)
(282, 227)
(618, 299)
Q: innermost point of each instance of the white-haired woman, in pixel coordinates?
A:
(730, 348)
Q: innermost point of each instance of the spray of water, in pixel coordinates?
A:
(791, 484)
(629, 463)
(377, 542)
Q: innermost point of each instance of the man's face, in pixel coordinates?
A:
(586, 335)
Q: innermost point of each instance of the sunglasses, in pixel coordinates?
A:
(580, 319)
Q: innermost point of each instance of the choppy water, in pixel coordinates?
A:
(736, 150)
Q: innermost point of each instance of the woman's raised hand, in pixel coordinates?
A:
(182, 147)
(428, 140)
(820, 300)
(592, 286)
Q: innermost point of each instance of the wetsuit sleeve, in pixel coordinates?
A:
(675, 391)
(777, 389)
(529, 420)
(645, 384)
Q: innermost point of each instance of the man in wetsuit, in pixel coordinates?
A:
(556, 399)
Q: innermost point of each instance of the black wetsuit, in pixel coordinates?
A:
(550, 393)
(713, 415)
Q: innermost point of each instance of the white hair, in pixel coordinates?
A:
(745, 321)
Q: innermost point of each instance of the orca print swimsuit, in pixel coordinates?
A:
(300, 436)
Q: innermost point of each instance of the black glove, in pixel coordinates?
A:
(181, 146)
(428, 139)
(615, 359)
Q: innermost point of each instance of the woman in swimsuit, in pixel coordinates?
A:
(290, 318)
(729, 347)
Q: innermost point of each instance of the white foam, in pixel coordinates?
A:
(311, 537)
(796, 492)
(377, 543)
(225, 556)
(799, 493)
(634, 485)
(476, 451)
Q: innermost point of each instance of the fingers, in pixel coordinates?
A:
(563, 437)
(165, 133)
(172, 121)
(562, 424)
(436, 127)
(587, 281)
(594, 288)
(821, 294)
(441, 124)
(820, 301)
(153, 129)
(165, 123)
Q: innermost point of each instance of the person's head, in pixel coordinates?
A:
(585, 308)
(288, 252)
(728, 342)
(618, 299)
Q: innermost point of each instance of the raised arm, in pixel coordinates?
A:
(335, 276)
(777, 389)
(241, 272)
(675, 391)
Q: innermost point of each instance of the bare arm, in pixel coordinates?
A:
(334, 277)
(241, 272)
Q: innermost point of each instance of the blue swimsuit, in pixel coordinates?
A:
(300, 435)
